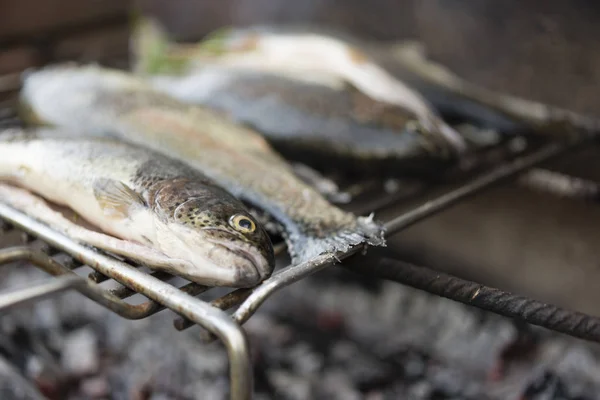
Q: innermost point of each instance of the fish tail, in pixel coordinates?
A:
(455, 139)
(305, 247)
(150, 48)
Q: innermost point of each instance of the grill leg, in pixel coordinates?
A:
(201, 313)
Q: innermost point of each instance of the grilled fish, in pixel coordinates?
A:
(372, 67)
(303, 118)
(297, 54)
(490, 109)
(116, 103)
(138, 195)
(314, 123)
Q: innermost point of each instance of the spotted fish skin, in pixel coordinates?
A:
(314, 122)
(110, 102)
(139, 195)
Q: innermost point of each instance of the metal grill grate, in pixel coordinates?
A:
(161, 294)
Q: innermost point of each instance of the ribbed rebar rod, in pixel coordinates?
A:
(510, 305)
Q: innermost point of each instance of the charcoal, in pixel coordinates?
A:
(14, 386)
(95, 388)
(362, 368)
(263, 326)
(80, 353)
(421, 390)
(289, 386)
(414, 365)
(338, 385)
(546, 386)
(303, 360)
(317, 339)
(449, 382)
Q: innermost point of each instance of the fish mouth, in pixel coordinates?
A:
(248, 277)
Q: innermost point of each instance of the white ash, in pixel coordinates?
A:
(80, 353)
(327, 337)
(95, 388)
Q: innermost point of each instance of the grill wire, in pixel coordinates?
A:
(62, 258)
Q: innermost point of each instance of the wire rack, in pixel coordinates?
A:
(132, 279)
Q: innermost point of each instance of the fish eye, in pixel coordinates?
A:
(242, 223)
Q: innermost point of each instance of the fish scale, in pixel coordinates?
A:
(311, 114)
(111, 102)
(144, 197)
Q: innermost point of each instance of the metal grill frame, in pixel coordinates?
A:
(212, 316)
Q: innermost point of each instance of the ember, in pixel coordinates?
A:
(395, 342)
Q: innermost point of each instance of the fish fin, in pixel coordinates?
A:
(305, 247)
(413, 55)
(116, 198)
(215, 42)
(322, 184)
(150, 49)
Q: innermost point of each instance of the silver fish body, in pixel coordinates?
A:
(298, 53)
(239, 159)
(138, 195)
(155, 55)
(406, 61)
(314, 121)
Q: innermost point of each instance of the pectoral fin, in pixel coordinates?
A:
(116, 199)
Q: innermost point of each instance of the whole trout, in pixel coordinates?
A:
(314, 122)
(304, 90)
(111, 102)
(389, 72)
(135, 194)
(296, 53)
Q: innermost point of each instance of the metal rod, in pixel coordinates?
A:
(97, 277)
(474, 294)
(484, 181)
(203, 314)
(283, 278)
(288, 275)
(39, 292)
(292, 274)
(94, 292)
(123, 291)
(560, 184)
(224, 303)
(545, 119)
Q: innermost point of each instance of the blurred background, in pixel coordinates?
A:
(508, 237)
(546, 50)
